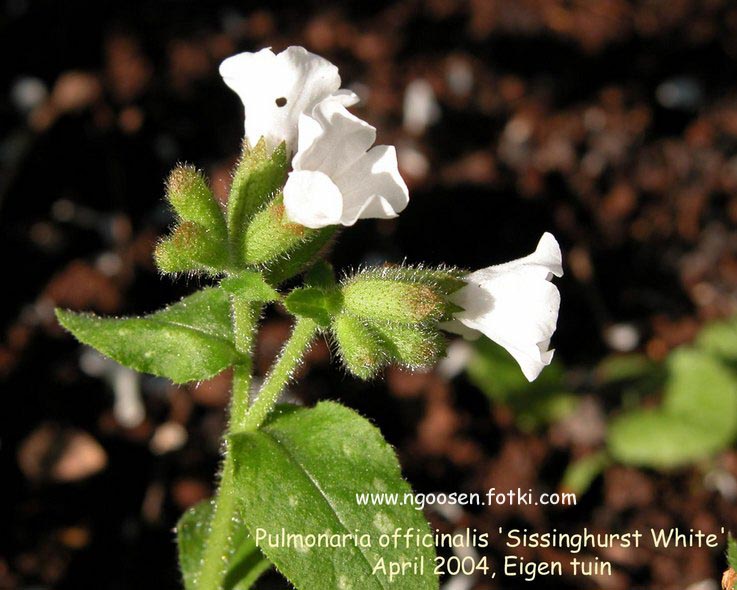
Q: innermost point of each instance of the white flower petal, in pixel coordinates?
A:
(546, 261)
(331, 138)
(334, 142)
(312, 199)
(515, 305)
(457, 327)
(276, 89)
(372, 187)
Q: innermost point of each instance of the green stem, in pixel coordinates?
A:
(280, 374)
(216, 551)
(245, 318)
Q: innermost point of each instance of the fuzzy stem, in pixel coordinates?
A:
(216, 551)
(245, 318)
(281, 372)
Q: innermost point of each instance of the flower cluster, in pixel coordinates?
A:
(293, 99)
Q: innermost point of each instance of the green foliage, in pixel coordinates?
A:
(297, 470)
(698, 415)
(301, 472)
(620, 368)
(493, 370)
(321, 276)
(732, 552)
(249, 285)
(720, 339)
(243, 563)
(189, 341)
(318, 304)
(581, 474)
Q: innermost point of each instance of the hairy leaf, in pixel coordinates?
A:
(244, 563)
(250, 286)
(189, 341)
(300, 474)
(313, 303)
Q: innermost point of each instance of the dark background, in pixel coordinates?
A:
(612, 124)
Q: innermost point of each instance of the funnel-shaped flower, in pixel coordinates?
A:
(335, 180)
(515, 305)
(277, 89)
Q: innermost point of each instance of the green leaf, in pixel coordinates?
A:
(624, 367)
(720, 339)
(493, 370)
(189, 341)
(300, 474)
(250, 285)
(581, 474)
(703, 390)
(244, 562)
(313, 303)
(321, 275)
(698, 416)
(732, 552)
(650, 438)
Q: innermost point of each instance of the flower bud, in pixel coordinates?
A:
(190, 247)
(380, 299)
(285, 248)
(193, 201)
(443, 279)
(258, 178)
(361, 349)
(270, 235)
(414, 347)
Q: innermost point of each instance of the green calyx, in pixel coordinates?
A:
(403, 295)
(191, 247)
(366, 348)
(192, 200)
(198, 242)
(361, 348)
(252, 233)
(391, 315)
(258, 177)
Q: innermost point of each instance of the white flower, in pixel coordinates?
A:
(515, 305)
(277, 89)
(335, 180)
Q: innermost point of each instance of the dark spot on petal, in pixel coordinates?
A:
(280, 102)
